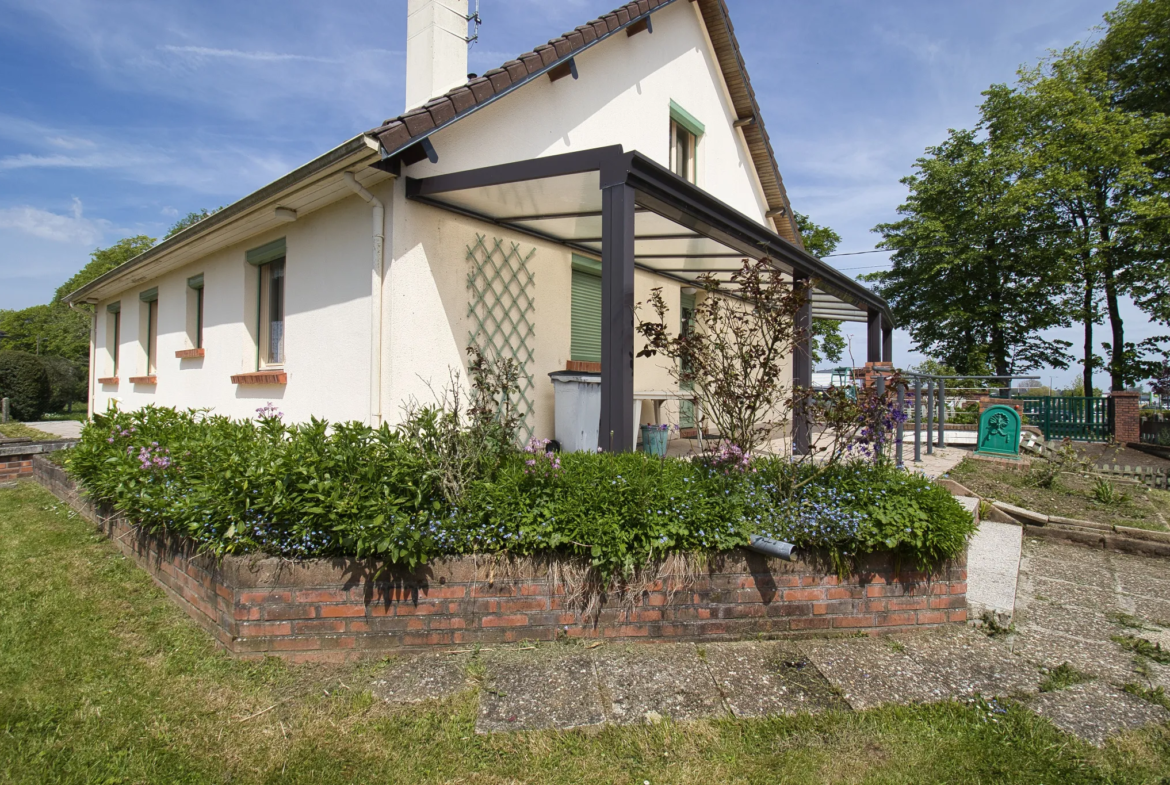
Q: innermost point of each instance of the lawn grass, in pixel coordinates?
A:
(16, 430)
(102, 679)
(1071, 495)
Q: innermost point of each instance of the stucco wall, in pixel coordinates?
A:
(327, 326)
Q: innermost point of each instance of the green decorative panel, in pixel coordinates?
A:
(501, 289)
(999, 432)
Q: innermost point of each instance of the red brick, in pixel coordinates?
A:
(264, 629)
(357, 626)
(263, 597)
(281, 612)
(853, 621)
(960, 615)
(445, 592)
(323, 595)
(295, 644)
(801, 595)
(430, 639)
(821, 623)
(959, 588)
(931, 617)
(447, 623)
(246, 614)
(319, 626)
(515, 620)
(874, 606)
(334, 611)
(953, 601)
(906, 603)
(843, 593)
(895, 619)
(876, 591)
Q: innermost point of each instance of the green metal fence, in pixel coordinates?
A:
(1079, 419)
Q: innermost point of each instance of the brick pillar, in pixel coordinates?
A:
(1126, 416)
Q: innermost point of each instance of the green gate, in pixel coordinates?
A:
(1079, 419)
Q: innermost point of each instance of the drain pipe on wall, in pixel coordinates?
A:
(769, 547)
(378, 271)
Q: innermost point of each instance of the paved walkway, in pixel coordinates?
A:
(62, 429)
(1072, 601)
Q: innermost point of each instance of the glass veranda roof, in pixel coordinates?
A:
(559, 198)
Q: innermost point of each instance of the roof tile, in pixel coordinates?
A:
(599, 27)
(643, 7)
(532, 62)
(499, 79)
(418, 121)
(516, 70)
(562, 46)
(623, 16)
(481, 88)
(442, 110)
(588, 33)
(611, 21)
(394, 135)
(576, 40)
(548, 55)
(462, 99)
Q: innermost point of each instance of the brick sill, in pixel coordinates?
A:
(189, 354)
(261, 377)
(144, 380)
(108, 380)
(581, 366)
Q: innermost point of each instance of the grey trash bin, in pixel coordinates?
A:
(577, 412)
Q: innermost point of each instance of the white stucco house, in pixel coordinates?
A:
(526, 210)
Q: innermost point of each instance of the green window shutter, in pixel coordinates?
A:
(149, 296)
(269, 252)
(195, 281)
(585, 343)
(114, 307)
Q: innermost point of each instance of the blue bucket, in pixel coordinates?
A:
(654, 440)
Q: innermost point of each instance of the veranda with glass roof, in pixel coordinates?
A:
(635, 214)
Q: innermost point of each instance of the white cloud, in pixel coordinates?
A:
(235, 54)
(169, 212)
(71, 228)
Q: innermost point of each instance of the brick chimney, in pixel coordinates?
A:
(436, 48)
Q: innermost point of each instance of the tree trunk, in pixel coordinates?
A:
(1117, 354)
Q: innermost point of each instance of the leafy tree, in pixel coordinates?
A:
(1098, 167)
(102, 261)
(1135, 55)
(68, 382)
(190, 219)
(25, 383)
(821, 241)
(971, 285)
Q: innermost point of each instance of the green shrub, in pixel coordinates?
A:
(25, 383)
(303, 490)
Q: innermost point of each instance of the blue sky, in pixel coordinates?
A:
(118, 116)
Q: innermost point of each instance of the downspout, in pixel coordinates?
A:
(89, 376)
(378, 270)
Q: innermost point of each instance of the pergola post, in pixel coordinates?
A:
(802, 371)
(887, 343)
(617, 318)
(874, 349)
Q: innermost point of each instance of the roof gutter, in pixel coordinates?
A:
(358, 144)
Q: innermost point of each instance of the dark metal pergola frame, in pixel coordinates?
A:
(631, 183)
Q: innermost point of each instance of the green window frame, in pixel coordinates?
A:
(269, 261)
(114, 311)
(195, 283)
(150, 297)
(585, 329)
(685, 132)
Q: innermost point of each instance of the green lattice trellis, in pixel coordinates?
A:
(501, 299)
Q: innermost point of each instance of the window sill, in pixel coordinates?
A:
(107, 380)
(189, 354)
(144, 380)
(261, 377)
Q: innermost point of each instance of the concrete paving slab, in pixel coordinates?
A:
(1094, 711)
(1094, 574)
(967, 662)
(1066, 594)
(767, 679)
(545, 690)
(1156, 611)
(648, 684)
(993, 564)
(869, 672)
(1080, 622)
(1143, 584)
(425, 677)
(1102, 659)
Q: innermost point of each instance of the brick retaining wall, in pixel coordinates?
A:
(334, 609)
(16, 455)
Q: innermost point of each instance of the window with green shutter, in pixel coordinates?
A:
(585, 341)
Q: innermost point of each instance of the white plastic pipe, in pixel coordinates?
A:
(379, 212)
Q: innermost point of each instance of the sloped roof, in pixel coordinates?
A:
(398, 134)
